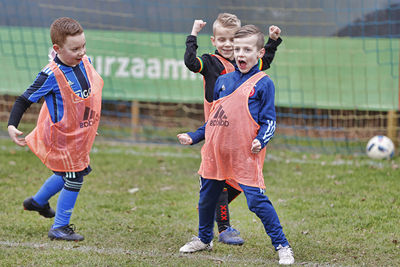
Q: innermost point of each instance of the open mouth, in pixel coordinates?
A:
(242, 64)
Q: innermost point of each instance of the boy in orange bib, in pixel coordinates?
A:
(240, 124)
(211, 66)
(66, 127)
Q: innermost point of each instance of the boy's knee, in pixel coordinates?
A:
(252, 204)
(256, 201)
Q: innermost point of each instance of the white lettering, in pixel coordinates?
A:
(138, 67)
(123, 67)
(173, 64)
(86, 93)
(154, 68)
(107, 66)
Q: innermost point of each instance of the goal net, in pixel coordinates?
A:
(336, 73)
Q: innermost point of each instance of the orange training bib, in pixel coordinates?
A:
(230, 130)
(64, 146)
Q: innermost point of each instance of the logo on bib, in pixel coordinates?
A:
(90, 117)
(219, 119)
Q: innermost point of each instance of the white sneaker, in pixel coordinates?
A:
(285, 255)
(195, 245)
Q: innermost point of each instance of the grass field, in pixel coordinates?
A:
(335, 210)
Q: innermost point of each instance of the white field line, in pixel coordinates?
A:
(120, 251)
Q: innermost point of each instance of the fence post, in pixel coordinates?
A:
(135, 112)
(392, 126)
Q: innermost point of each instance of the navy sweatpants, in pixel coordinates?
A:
(257, 202)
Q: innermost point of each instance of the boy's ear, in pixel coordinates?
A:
(56, 48)
(261, 52)
(212, 38)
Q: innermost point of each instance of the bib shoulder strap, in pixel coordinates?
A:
(227, 65)
(256, 77)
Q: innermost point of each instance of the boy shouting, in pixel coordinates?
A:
(240, 124)
(211, 66)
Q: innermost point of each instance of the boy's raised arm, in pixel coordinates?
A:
(271, 46)
(191, 61)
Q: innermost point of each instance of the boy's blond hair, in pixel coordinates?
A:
(63, 27)
(249, 30)
(226, 20)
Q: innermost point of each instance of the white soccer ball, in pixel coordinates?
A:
(380, 147)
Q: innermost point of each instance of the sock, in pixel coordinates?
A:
(65, 206)
(222, 211)
(52, 186)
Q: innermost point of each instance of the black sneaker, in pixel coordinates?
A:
(66, 232)
(45, 211)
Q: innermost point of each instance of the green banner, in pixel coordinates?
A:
(339, 73)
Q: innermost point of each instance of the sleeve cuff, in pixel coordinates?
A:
(261, 142)
(195, 138)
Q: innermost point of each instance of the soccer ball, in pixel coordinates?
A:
(380, 147)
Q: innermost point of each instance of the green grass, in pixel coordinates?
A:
(335, 210)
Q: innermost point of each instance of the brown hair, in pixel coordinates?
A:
(226, 20)
(249, 30)
(63, 27)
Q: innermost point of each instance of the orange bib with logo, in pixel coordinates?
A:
(64, 146)
(230, 130)
(228, 67)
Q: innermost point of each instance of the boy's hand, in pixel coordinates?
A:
(14, 133)
(184, 139)
(255, 146)
(274, 32)
(197, 26)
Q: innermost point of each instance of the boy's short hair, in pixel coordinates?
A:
(226, 20)
(249, 30)
(63, 27)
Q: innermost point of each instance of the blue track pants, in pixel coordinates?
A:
(257, 202)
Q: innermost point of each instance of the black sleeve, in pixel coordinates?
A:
(19, 108)
(191, 62)
(270, 49)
